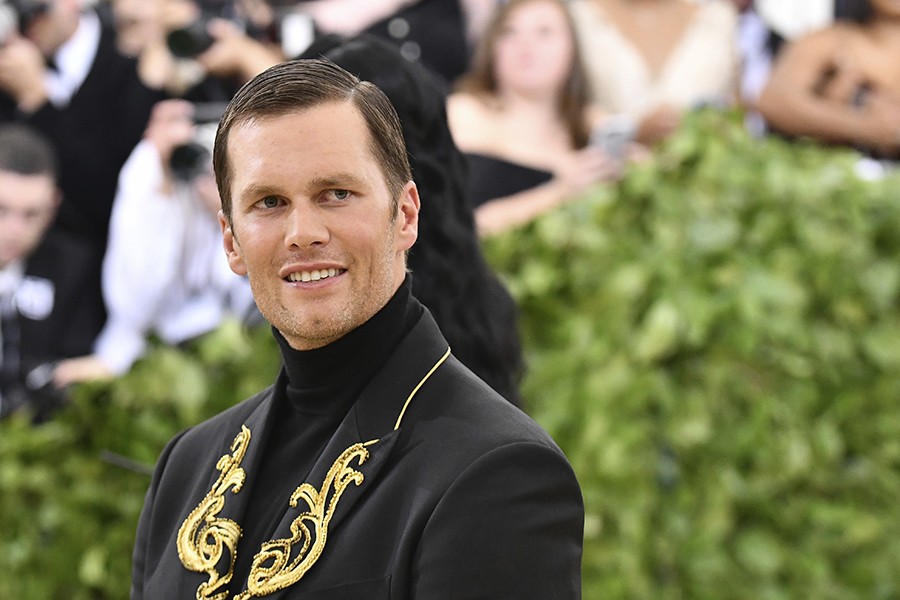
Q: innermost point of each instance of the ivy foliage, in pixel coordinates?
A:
(71, 489)
(714, 343)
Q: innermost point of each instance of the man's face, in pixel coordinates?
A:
(54, 25)
(27, 206)
(314, 225)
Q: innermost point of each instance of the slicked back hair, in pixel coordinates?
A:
(296, 85)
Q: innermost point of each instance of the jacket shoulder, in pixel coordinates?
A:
(472, 413)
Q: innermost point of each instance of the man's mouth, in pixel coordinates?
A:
(314, 275)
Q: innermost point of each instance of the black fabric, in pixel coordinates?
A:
(58, 322)
(432, 32)
(73, 325)
(491, 178)
(454, 477)
(9, 355)
(316, 390)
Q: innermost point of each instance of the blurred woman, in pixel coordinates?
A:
(841, 84)
(654, 59)
(521, 116)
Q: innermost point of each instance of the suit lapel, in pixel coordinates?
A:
(372, 419)
(358, 450)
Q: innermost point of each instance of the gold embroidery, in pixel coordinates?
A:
(273, 568)
(203, 538)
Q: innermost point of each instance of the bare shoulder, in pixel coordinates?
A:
(469, 118)
(813, 51)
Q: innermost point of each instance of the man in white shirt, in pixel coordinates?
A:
(184, 287)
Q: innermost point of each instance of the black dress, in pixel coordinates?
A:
(491, 177)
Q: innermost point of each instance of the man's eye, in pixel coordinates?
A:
(269, 201)
(341, 194)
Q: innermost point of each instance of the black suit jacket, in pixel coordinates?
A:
(53, 320)
(445, 491)
(60, 265)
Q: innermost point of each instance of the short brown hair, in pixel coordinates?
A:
(296, 85)
(26, 151)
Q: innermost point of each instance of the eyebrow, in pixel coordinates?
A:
(337, 180)
(257, 191)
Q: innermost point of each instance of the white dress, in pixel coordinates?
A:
(700, 70)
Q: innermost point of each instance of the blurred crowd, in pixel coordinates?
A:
(109, 234)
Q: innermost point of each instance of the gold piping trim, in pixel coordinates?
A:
(421, 383)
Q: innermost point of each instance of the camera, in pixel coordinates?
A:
(191, 40)
(293, 30)
(17, 15)
(194, 158)
(194, 38)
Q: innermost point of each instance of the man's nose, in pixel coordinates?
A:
(306, 226)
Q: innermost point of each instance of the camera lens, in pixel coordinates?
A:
(188, 161)
(189, 41)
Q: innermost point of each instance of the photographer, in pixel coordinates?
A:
(61, 73)
(44, 315)
(165, 272)
(200, 50)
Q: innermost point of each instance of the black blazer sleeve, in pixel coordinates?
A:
(510, 526)
(140, 553)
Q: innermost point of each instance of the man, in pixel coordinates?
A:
(184, 288)
(377, 466)
(43, 314)
(62, 74)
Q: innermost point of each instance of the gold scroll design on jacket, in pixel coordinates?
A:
(273, 568)
(204, 538)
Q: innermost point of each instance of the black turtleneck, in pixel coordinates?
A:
(322, 385)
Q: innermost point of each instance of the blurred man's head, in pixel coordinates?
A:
(28, 193)
(50, 23)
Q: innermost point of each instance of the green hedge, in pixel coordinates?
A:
(71, 489)
(713, 342)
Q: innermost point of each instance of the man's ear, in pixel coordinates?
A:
(54, 209)
(407, 217)
(232, 247)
